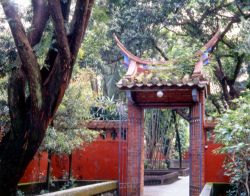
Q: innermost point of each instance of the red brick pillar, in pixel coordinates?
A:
(197, 142)
(135, 159)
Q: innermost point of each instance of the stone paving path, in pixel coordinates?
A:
(178, 188)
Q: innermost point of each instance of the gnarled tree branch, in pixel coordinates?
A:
(46, 72)
(80, 21)
(65, 9)
(239, 59)
(60, 31)
(56, 86)
(25, 51)
(39, 20)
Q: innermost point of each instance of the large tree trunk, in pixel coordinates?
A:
(32, 111)
(17, 153)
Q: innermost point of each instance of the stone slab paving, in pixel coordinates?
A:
(178, 188)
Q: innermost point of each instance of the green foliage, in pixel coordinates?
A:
(233, 133)
(4, 119)
(165, 29)
(184, 134)
(4, 109)
(59, 142)
(140, 23)
(7, 50)
(68, 132)
(76, 102)
(244, 46)
(108, 109)
(3, 87)
(96, 51)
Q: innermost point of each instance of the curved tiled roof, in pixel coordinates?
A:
(138, 76)
(145, 81)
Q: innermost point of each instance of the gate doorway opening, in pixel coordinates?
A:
(166, 145)
(166, 139)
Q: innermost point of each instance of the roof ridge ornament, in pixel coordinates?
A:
(135, 58)
(203, 53)
(135, 64)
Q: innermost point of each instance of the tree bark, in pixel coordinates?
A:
(227, 84)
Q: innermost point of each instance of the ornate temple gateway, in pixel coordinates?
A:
(147, 90)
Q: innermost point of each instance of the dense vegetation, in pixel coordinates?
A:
(234, 133)
(38, 51)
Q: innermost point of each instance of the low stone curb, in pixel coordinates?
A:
(207, 190)
(93, 189)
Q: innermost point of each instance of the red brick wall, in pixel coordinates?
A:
(98, 161)
(214, 171)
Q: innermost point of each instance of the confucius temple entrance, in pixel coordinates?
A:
(145, 89)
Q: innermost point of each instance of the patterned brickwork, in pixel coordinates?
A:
(135, 139)
(197, 143)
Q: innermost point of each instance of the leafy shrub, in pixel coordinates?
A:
(233, 132)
